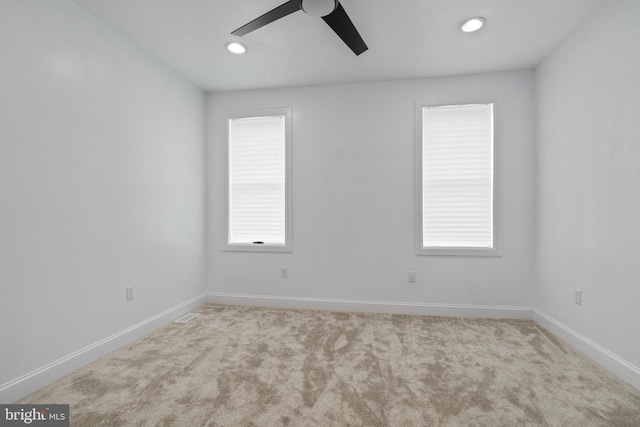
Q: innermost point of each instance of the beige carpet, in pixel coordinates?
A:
(242, 366)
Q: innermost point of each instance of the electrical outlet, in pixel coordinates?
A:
(577, 296)
(129, 293)
(284, 273)
(412, 277)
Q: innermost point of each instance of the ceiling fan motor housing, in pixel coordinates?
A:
(319, 8)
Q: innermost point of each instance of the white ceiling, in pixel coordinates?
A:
(406, 38)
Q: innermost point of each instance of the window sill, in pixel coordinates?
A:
(467, 252)
(257, 248)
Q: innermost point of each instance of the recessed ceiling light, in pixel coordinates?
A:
(236, 47)
(472, 24)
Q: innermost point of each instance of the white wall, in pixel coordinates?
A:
(101, 187)
(101, 184)
(589, 181)
(353, 184)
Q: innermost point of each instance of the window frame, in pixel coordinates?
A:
(247, 247)
(494, 251)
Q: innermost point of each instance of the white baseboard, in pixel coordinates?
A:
(26, 384)
(35, 380)
(425, 309)
(616, 365)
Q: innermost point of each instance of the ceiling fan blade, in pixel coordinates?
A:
(273, 15)
(339, 21)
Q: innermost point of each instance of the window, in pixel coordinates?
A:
(455, 180)
(259, 181)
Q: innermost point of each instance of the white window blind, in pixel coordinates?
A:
(457, 177)
(257, 180)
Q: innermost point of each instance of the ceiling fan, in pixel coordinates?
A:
(331, 11)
